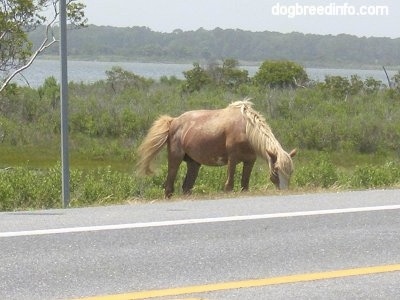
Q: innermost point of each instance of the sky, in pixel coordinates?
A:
(379, 18)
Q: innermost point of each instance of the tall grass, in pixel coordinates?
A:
(26, 188)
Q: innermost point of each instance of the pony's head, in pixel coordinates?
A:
(281, 168)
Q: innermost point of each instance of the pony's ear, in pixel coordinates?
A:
(272, 156)
(293, 153)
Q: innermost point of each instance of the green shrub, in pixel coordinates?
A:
(23, 188)
(196, 78)
(319, 173)
(120, 79)
(337, 86)
(280, 74)
(371, 176)
(228, 75)
(50, 92)
(103, 185)
(372, 85)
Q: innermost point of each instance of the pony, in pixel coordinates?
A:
(217, 137)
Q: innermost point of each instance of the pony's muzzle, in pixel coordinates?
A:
(283, 182)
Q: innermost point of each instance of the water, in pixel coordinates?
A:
(91, 71)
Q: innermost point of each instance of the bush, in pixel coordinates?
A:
(372, 85)
(196, 78)
(280, 74)
(120, 79)
(50, 92)
(228, 75)
(370, 176)
(338, 86)
(341, 87)
(102, 186)
(23, 188)
(319, 173)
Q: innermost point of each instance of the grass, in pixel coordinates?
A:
(27, 156)
(39, 157)
(114, 180)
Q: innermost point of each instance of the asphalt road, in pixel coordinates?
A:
(74, 253)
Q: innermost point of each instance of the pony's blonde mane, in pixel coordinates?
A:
(261, 137)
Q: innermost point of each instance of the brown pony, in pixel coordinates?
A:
(219, 137)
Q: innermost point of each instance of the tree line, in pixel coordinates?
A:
(141, 43)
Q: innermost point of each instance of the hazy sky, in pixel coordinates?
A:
(309, 16)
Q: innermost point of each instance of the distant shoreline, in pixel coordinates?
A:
(141, 44)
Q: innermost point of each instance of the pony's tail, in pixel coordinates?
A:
(152, 144)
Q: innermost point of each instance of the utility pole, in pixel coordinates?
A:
(64, 105)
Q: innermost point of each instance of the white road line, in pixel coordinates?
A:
(196, 221)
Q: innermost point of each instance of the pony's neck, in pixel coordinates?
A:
(258, 131)
(262, 139)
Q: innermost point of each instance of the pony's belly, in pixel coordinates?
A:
(207, 149)
(209, 159)
(215, 153)
(216, 161)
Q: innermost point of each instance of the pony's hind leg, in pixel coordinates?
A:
(191, 176)
(173, 168)
(169, 182)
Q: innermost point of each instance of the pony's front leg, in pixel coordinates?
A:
(247, 168)
(231, 176)
(191, 176)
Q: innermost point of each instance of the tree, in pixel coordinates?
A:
(17, 19)
(280, 74)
